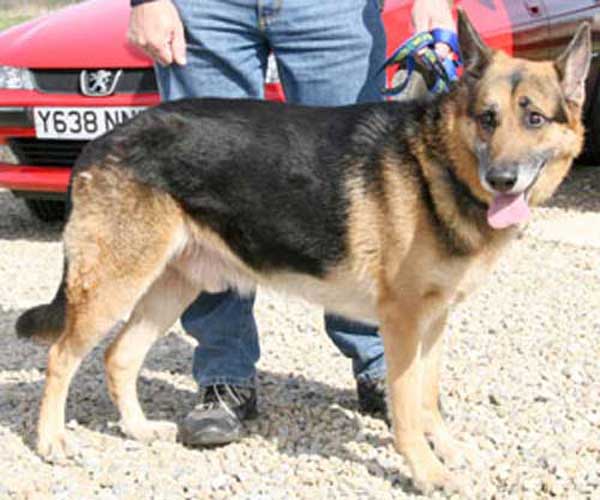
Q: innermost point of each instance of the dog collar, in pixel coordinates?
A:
(423, 44)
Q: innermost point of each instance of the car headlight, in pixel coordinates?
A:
(15, 78)
(272, 75)
(7, 155)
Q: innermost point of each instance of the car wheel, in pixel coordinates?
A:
(47, 210)
(591, 152)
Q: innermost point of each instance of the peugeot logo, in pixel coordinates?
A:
(98, 83)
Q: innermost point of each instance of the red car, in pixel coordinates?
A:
(71, 75)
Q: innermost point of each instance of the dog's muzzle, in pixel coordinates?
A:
(502, 180)
(509, 184)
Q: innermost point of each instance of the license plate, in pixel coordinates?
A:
(80, 123)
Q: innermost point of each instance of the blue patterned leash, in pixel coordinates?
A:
(423, 44)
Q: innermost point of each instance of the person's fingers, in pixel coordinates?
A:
(156, 29)
(178, 45)
(156, 47)
(420, 15)
(442, 50)
(162, 53)
(134, 36)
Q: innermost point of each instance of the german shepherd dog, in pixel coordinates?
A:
(387, 212)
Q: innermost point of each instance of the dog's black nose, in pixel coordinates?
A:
(502, 179)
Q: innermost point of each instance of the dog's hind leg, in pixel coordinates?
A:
(64, 358)
(85, 325)
(160, 307)
(118, 241)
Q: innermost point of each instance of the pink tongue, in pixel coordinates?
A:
(507, 210)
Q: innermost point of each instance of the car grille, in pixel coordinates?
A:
(67, 81)
(46, 152)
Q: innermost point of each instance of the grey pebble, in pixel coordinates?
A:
(519, 382)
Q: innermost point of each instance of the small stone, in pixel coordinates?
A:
(494, 400)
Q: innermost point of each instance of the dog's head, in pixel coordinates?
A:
(521, 126)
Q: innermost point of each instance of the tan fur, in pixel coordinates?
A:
(510, 141)
(136, 260)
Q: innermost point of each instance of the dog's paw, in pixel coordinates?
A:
(439, 478)
(147, 431)
(454, 453)
(58, 450)
(429, 474)
(457, 454)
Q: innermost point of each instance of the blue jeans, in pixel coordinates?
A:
(328, 54)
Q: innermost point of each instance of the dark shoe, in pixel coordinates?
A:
(371, 398)
(218, 419)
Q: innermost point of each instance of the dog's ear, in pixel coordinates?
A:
(574, 63)
(475, 54)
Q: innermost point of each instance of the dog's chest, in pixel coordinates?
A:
(457, 278)
(343, 294)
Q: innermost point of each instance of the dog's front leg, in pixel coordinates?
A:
(401, 333)
(451, 451)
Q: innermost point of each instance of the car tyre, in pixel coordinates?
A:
(47, 210)
(591, 151)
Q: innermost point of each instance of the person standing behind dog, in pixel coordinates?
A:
(328, 54)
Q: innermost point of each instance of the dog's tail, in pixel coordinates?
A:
(45, 323)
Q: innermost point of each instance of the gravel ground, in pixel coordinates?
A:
(521, 386)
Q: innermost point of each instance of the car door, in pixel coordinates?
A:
(565, 17)
(516, 26)
(519, 27)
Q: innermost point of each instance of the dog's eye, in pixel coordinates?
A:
(534, 119)
(488, 120)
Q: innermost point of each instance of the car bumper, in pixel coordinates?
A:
(52, 179)
(30, 178)
(40, 178)
(34, 178)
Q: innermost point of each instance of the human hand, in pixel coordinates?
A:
(442, 50)
(429, 14)
(156, 29)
